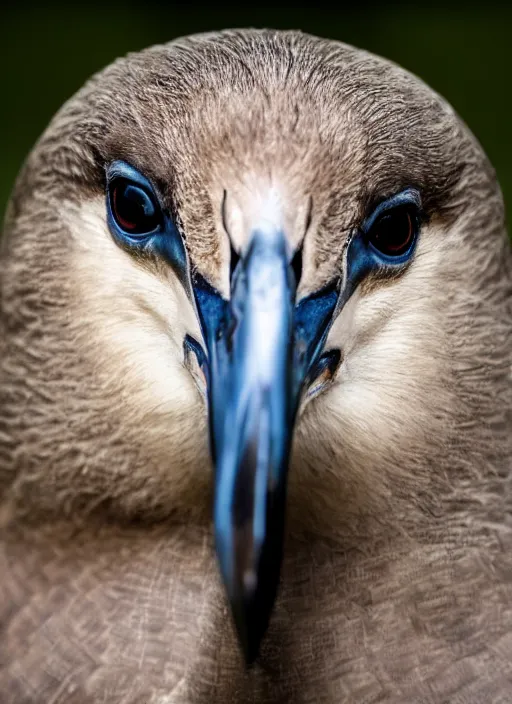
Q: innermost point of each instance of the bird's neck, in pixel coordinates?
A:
(113, 606)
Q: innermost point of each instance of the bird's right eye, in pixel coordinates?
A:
(134, 208)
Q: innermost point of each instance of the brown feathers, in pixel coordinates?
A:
(397, 585)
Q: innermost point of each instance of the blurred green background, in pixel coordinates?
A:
(48, 50)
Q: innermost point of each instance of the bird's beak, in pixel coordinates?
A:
(261, 350)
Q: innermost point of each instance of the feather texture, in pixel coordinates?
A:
(397, 583)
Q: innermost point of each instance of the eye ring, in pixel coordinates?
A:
(394, 232)
(391, 231)
(134, 207)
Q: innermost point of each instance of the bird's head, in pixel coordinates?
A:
(228, 246)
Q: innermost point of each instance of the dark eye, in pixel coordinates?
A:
(135, 211)
(393, 233)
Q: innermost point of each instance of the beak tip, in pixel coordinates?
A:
(251, 616)
(252, 586)
(250, 570)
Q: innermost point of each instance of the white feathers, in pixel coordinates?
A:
(139, 319)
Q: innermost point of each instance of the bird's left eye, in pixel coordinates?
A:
(134, 209)
(393, 233)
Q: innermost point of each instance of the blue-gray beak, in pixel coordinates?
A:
(263, 351)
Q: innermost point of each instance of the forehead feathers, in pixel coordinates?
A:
(212, 114)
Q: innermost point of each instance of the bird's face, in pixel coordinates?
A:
(252, 254)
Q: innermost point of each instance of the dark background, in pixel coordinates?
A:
(48, 50)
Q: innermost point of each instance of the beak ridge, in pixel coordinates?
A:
(261, 347)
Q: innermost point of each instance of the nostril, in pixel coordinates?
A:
(296, 264)
(324, 372)
(234, 258)
(196, 361)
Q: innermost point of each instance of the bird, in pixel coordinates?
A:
(255, 388)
